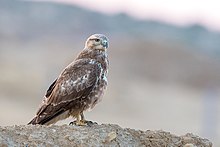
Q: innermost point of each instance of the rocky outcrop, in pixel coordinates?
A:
(95, 135)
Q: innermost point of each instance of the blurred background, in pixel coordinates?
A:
(164, 60)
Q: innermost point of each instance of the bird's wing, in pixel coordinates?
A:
(76, 81)
(50, 89)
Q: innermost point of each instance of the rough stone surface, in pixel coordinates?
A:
(96, 135)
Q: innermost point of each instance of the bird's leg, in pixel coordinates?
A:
(78, 121)
(82, 117)
(89, 123)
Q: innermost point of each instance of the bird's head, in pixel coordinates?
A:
(97, 41)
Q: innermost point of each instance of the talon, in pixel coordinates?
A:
(71, 123)
(80, 121)
(90, 123)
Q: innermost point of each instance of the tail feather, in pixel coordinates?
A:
(48, 118)
(33, 121)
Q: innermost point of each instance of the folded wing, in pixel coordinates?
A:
(75, 82)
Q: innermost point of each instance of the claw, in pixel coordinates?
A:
(71, 123)
(90, 123)
(82, 121)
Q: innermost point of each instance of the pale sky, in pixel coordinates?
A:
(181, 12)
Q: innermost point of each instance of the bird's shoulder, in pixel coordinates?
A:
(76, 77)
(80, 68)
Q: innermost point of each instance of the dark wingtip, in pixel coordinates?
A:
(32, 122)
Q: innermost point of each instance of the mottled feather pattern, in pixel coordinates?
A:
(79, 87)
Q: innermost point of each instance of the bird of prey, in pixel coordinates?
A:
(79, 87)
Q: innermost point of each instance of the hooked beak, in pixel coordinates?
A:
(105, 43)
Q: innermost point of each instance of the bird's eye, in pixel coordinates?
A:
(97, 40)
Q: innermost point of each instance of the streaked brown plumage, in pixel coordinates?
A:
(79, 86)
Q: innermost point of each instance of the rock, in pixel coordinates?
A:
(96, 135)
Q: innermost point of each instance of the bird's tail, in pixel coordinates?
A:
(33, 121)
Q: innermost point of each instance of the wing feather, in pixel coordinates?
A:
(76, 81)
(50, 89)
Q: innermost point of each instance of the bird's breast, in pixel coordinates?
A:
(98, 91)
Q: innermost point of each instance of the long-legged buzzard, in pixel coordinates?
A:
(79, 86)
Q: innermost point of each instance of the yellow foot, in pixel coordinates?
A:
(80, 121)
